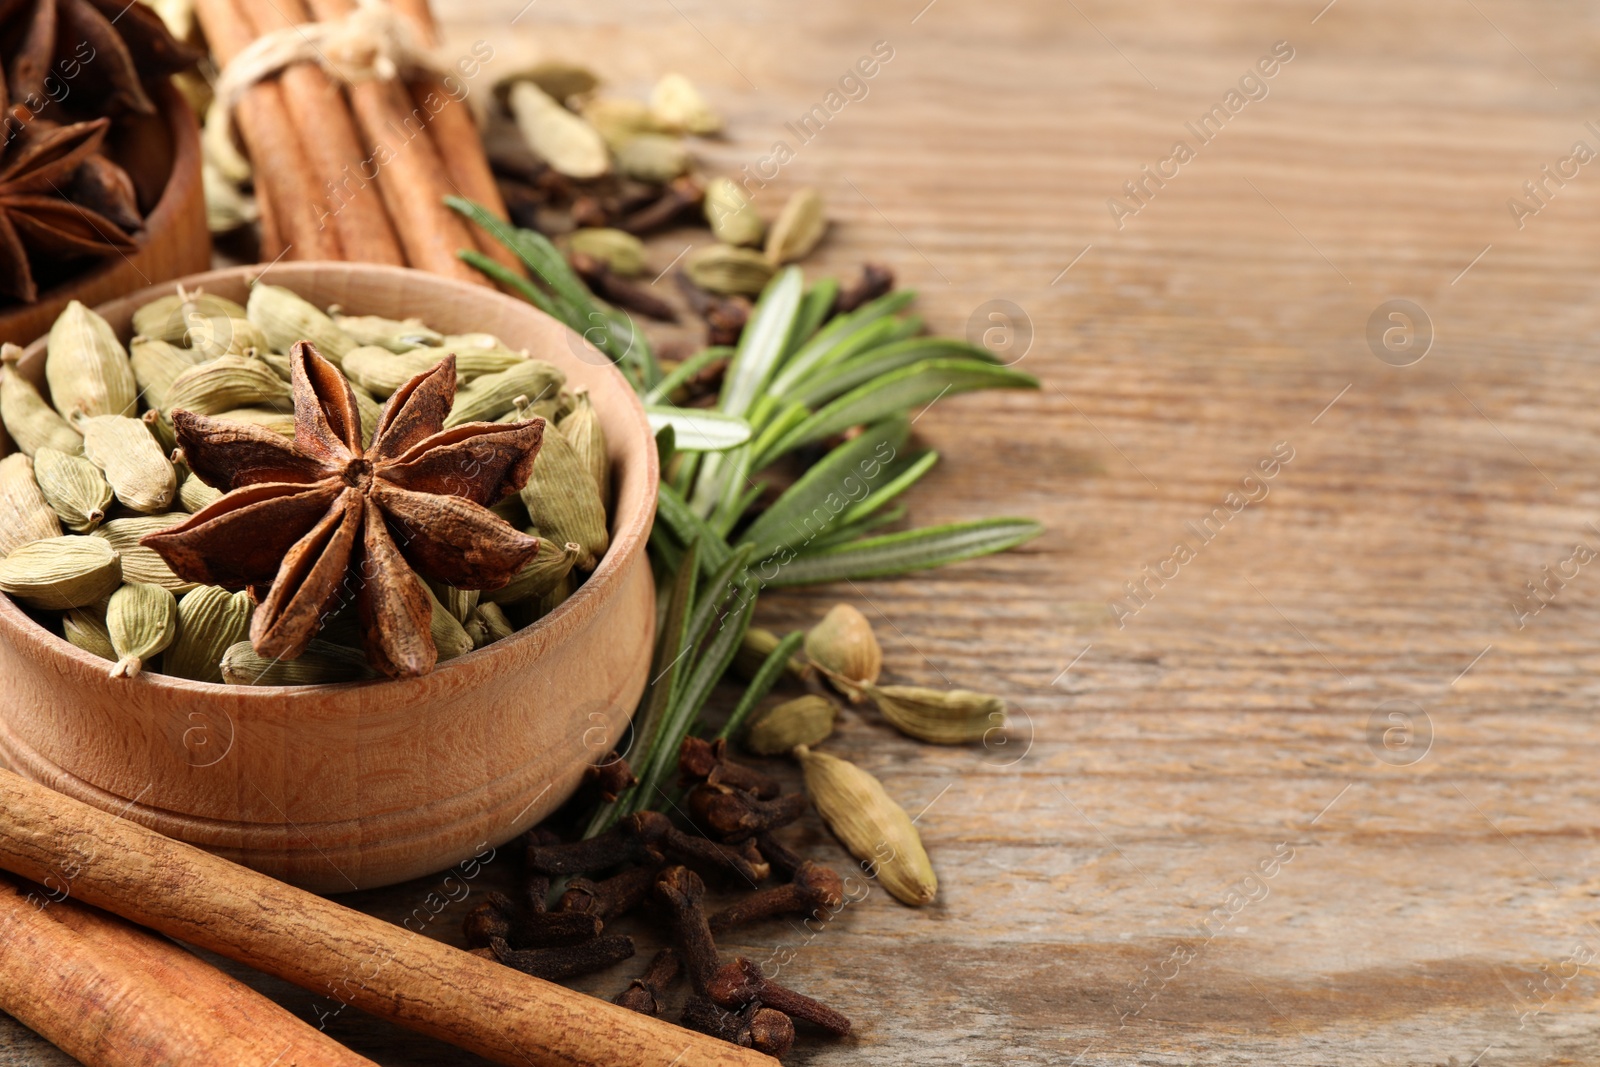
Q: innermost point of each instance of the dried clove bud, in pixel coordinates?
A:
(656, 832)
(682, 891)
(813, 888)
(555, 964)
(734, 815)
(681, 195)
(707, 761)
(610, 777)
(615, 896)
(876, 280)
(644, 993)
(702, 1014)
(741, 982)
(621, 844)
(630, 296)
(496, 918)
(783, 859)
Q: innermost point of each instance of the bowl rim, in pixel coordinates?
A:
(629, 535)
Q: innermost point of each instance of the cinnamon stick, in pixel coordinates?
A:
(282, 174)
(385, 970)
(113, 995)
(455, 134)
(333, 151)
(410, 170)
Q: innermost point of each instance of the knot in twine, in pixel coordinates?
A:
(373, 42)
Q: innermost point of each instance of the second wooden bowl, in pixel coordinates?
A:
(347, 787)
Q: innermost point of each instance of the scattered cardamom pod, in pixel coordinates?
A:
(25, 513)
(285, 318)
(618, 249)
(487, 398)
(798, 228)
(730, 213)
(397, 335)
(582, 430)
(85, 628)
(156, 365)
(565, 141)
(806, 720)
(846, 650)
(73, 487)
(619, 120)
(196, 495)
(141, 564)
(652, 157)
(58, 573)
(870, 825)
(757, 645)
(167, 318)
(229, 382)
(320, 664)
(726, 269)
(678, 105)
(211, 620)
(132, 460)
(87, 368)
(539, 575)
(142, 621)
(32, 423)
(279, 422)
(564, 502)
(939, 716)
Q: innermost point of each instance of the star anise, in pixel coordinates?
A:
(322, 519)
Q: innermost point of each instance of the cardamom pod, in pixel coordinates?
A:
(619, 120)
(156, 365)
(381, 371)
(229, 382)
(142, 621)
(320, 664)
(57, 573)
(491, 620)
(279, 364)
(939, 716)
(732, 216)
(478, 342)
(652, 157)
(870, 825)
(565, 141)
(458, 602)
(279, 422)
(556, 77)
(538, 576)
(726, 269)
(25, 512)
(161, 429)
(211, 620)
(167, 318)
(196, 495)
(141, 564)
(285, 318)
(798, 228)
(32, 423)
(131, 459)
(806, 720)
(564, 502)
(582, 430)
(84, 628)
(87, 368)
(449, 636)
(73, 487)
(756, 646)
(370, 411)
(487, 398)
(678, 105)
(211, 336)
(555, 597)
(618, 249)
(846, 650)
(397, 335)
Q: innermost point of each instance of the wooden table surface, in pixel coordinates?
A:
(1323, 789)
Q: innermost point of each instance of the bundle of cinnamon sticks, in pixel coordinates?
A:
(357, 172)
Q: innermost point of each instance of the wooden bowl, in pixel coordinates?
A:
(163, 154)
(335, 788)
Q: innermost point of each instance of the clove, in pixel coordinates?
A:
(644, 993)
(813, 888)
(783, 859)
(734, 815)
(615, 896)
(761, 1028)
(611, 776)
(567, 961)
(680, 195)
(496, 918)
(876, 280)
(625, 294)
(682, 891)
(621, 844)
(707, 761)
(741, 981)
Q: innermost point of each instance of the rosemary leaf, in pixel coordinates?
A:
(662, 391)
(699, 430)
(803, 362)
(839, 378)
(767, 676)
(910, 550)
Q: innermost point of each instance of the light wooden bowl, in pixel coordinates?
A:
(165, 155)
(343, 787)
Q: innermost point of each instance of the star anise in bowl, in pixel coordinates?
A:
(321, 519)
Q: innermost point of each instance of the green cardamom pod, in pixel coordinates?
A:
(798, 228)
(492, 395)
(939, 716)
(167, 318)
(58, 573)
(846, 650)
(678, 105)
(458, 602)
(196, 495)
(732, 216)
(141, 564)
(370, 410)
(397, 335)
(132, 460)
(557, 596)
(73, 487)
(285, 318)
(161, 428)
(142, 621)
(449, 636)
(32, 423)
(492, 620)
(226, 383)
(618, 249)
(538, 576)
(564, 502)
(25, 514)
(618, 119)
(726, 269)
(565, 141)
(211, 620)
(381, 371)
(870, 825)
(582, 430)
(85, 628)
(806, 720)
(279, 422)
(156, 365)
(214, 336)
(320, 664)
(87, 368)
(652, 157)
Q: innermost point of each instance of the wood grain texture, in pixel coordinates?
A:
(1425, 916)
